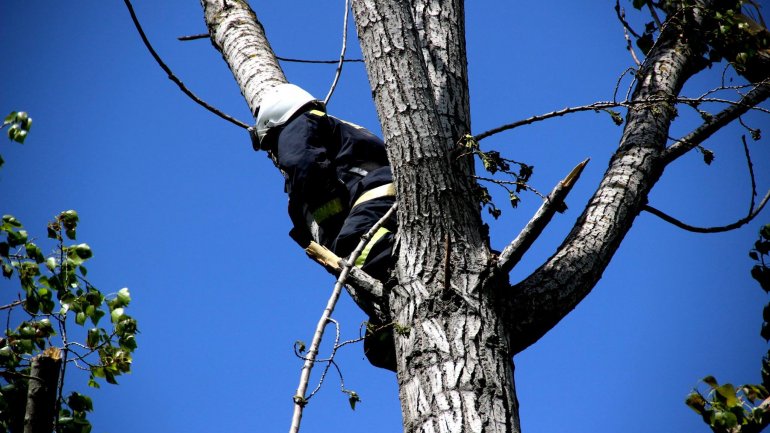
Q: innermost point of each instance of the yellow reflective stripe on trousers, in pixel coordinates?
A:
(368, 248)
(387, 190)
(329, 209)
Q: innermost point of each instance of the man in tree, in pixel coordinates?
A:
(339, 183)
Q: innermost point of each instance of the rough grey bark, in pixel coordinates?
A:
(454, 370)
(441, 31)
(41, 394)
(554, 289)
(239, 36)
(464, 320)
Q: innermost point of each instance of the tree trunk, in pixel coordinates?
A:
(41, 394)
(454, 368)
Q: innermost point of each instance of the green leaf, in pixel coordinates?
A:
(353, 398)
(97, 315)
(18, 238)
(727, 393)
(50, 263)
(124, 297)
(80, 318)
(116, 314)
(724, 419)
(83, 251)
(80, 403)
(617, 119)
(710, 381)
(765, 231)
(33, 252)
(645, 43)
(300, 346)
(762, 275)
(638, 4)
(11, 221)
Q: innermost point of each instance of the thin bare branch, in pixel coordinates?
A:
(709, 127)
(626, 28)
(193, 37)
(552, 204)
(327, 62)
(347, 265)
(173, 77)
(11, 305)
(342, 53)
(689, 228)
(622, 17)
(602, 105)
(751, 173)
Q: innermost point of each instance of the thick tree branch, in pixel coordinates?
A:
(551, 204)
(542, 299)
(239, 36)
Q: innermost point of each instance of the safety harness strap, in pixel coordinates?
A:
(387, 190)
(382, 231)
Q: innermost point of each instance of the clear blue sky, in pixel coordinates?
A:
(178, 208)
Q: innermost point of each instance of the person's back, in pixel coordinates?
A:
(339, 183)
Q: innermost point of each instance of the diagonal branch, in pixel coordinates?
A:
(299, 398)
(173, 77)
(552, 204)
(596, 106)
(715, 123)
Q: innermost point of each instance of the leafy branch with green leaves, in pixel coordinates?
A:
(744, 409)
(56, 321)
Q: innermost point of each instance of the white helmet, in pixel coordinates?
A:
(278, 105)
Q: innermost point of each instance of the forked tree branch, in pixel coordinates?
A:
(551, 204)
(542, 299)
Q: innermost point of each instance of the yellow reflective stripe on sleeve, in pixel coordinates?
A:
(368, 248)
(387, 190)
(329, 209)
(317, 112)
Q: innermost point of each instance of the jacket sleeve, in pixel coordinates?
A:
(305, 149)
